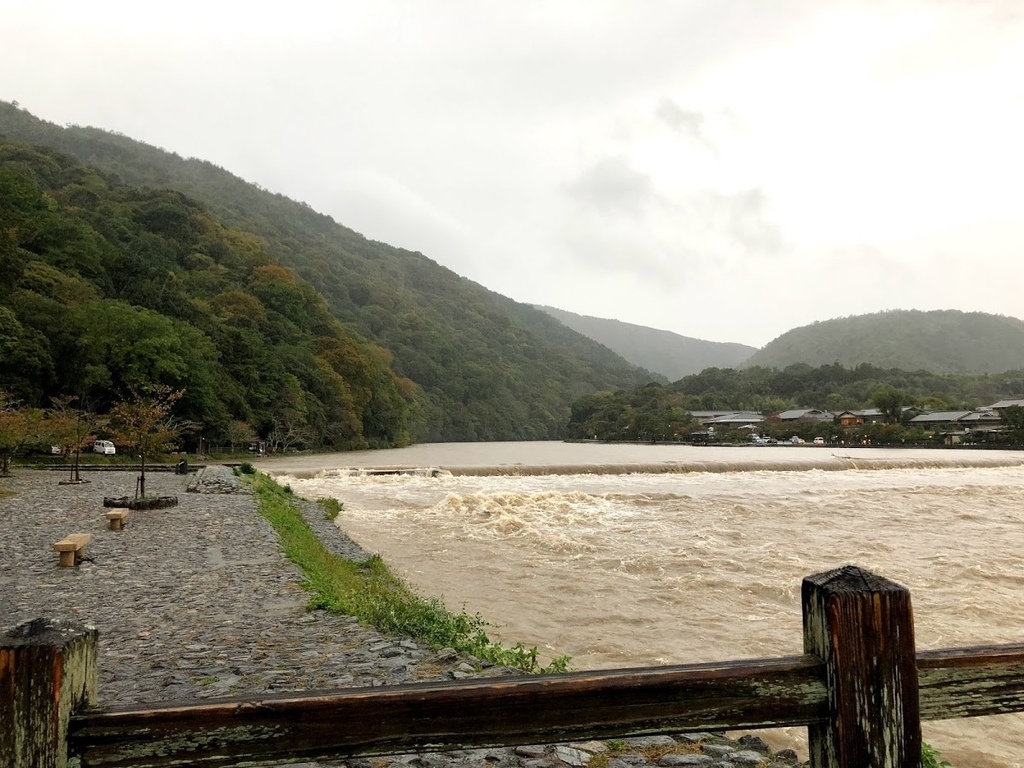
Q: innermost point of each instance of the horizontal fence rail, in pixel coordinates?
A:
(521, 710)
(971, 682)
(788, 691)
(860, 689)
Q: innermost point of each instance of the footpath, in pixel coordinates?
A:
(197, 601)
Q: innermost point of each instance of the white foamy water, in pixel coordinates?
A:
(674, 565)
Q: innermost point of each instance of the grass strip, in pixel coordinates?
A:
(375, 596)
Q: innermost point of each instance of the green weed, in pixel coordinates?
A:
(930, 758)
(331, 507)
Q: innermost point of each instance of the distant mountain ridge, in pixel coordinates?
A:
(664, 352)
(940, 341)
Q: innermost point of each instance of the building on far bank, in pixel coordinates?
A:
(736, 420)
(1003, 404)
(705, 416)
(857, 418)
(939, 420)
(806, 413)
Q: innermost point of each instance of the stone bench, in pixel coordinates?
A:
(117, 518)
(72, 548)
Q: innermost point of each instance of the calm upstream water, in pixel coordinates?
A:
(639, 555)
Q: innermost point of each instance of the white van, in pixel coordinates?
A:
(104, 446)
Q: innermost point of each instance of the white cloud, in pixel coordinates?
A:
(614, 188)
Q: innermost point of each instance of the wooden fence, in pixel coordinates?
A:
(860, 689)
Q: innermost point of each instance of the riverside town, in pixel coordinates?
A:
(643, 417)
(991, 425)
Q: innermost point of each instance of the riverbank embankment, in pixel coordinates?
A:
(197, 601)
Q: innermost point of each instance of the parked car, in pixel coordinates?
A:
(796, 440)
(104, 446)
(819, 441)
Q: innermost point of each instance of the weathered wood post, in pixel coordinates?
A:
(47, 669)
(862, 626)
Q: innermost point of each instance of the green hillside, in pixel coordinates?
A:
(106, 289)
(664, 352)
(942, 341)
(487, 368)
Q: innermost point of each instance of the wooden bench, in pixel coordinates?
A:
(117, 518)
(72, 548)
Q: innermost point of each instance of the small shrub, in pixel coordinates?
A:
(930, 758)
(331, 507)
(245, 468)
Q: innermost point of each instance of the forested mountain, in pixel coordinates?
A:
(487, 367)
(106, 290)
(664, 352)
(944, 341)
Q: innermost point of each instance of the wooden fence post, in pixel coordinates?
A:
(47, 669)
(862, 626)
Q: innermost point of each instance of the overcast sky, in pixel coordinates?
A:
(724, 169)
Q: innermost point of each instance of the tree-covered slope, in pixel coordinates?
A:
(664, 352)
(943, 341)
(489, 369)
(106, 290)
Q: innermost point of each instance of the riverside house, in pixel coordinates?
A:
(806, 413)
(737, 420)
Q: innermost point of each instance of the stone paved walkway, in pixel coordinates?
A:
(197, 601)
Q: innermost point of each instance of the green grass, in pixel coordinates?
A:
(374, 595)
(331, 507)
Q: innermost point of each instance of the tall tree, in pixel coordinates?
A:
(890, 401)
(1013, 418)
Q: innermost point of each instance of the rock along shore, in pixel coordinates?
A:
(197, 601)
